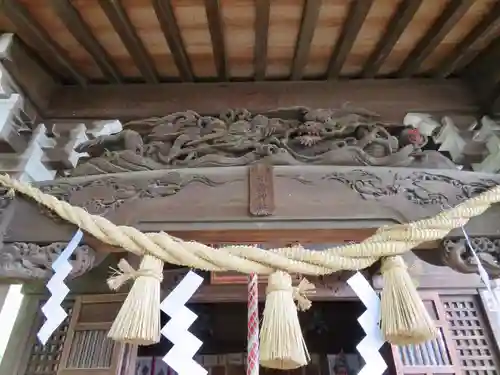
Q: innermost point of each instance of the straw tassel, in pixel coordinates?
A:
(138, 321)
(405, 319)
(282, 345)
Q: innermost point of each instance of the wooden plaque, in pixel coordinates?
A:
(261, 190)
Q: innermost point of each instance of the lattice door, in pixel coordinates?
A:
(44, 359)
(87, 350)
(437, 356)
(472, 335)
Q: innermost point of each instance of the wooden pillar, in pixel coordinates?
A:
(18, 348)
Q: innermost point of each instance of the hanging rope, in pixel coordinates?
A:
(405, 319)
(387, 241)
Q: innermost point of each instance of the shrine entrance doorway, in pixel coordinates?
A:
(330, 329)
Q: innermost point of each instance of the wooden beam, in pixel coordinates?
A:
(391, 98)
(310, 15)
(29, 28)
(262, 13)
(441, 27)
(29, 78)
(168, 23)
(397, 25)
(354, 21)
(81, 32)
(463, 53)
(216, 28)
(120, 21)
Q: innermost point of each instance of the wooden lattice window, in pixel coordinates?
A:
(437, 356)
(44, 359)
(472, 335)
(87, 349)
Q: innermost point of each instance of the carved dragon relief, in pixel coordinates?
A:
(349, 137)
(22, 261)
(457, 255)
(125, 191)
(421, 188)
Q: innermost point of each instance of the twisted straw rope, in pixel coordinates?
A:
(387, 241)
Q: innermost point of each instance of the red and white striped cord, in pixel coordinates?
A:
(253, 326)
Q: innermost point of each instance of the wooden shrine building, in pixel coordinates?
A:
(250, 121)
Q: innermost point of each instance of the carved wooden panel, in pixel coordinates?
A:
(472, 335)
(87, 349)
(437, 356)
(44, 359)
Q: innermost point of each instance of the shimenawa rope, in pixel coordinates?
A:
(404, 317)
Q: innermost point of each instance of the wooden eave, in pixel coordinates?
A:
(86, 59)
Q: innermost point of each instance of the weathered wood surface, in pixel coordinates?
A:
(193, 40)
(392, 99)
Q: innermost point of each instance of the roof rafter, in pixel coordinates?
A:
(120, 21)
(355, 18)
(170, 29)
(397, 25)
(81, 32)
(310, 15)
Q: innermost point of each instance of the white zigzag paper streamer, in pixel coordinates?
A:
(482, 272)
(483, 275)
(185, 344)
(52, 309)
(369, 347)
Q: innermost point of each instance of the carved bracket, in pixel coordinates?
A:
(457, 255)
(28, 261)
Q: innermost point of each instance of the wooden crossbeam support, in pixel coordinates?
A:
(392, 99)
(120, 21)
(82, 33)
(397, 25)
(28, 77)
(310, 15)
(354, 21)
(262, 14)
(30, 29)
(170, 28)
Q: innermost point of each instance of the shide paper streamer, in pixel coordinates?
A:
(185, 344)
(52, 309)
(484, 277)
(369, 347)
